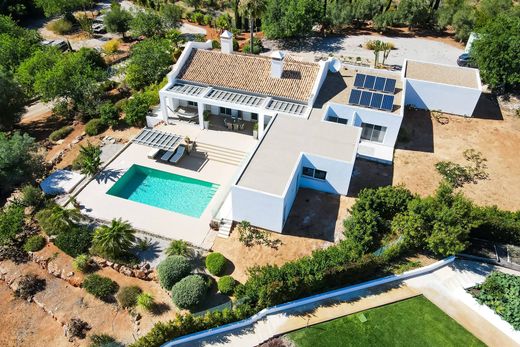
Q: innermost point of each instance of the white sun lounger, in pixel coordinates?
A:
(167, 155)
(153, 153)
(178, 155)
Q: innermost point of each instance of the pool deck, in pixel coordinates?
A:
(96, 203)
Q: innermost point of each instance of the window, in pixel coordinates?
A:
(226, 111)
(335, 119)
(254, 116)
(192, 103)
(373, 132)
(314, 173)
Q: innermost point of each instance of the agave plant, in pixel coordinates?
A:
(114, 240)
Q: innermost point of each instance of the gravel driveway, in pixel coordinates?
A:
(412, 48)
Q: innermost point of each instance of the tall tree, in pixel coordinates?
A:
(12, 101)
(291, 18)
(253, 9)
(117, 20)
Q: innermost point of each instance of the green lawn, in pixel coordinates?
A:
(412, 322)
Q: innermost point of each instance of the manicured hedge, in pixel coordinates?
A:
(60, 133)
(216, 263)
(172, 269)
(226, 285)
(189, 292)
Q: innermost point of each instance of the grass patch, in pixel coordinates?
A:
(412, 322)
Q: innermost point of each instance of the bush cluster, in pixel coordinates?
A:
(226, 285)
(111, 46)
(61, 26)
(257, 46)
(74, 241)
(34, 243)
(61, 133)
(145, 301)
(101, 287)
(127, 296)
(216, 263)
(95, 127)
(189, 292)
(31, 196)
(108, 114)
(11, 223)
(81, 263)
(172, 269)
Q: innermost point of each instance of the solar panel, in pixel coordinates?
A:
(388, 102)
(389, 86)
(369, 82)
(365, 98)
(380, 84)
(360, 80)
(376, 100)
(355, 95)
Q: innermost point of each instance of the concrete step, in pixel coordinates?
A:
(219, 148)
(218, 153)
(225, 228)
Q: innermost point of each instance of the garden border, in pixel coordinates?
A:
(308, 300)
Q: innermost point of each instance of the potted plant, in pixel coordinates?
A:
(206, 115)
(189, 144)
(255, 130)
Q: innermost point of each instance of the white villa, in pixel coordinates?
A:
(314, 119)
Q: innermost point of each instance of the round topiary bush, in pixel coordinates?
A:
(101, 287)
(127, 296)
(226, 285)
(189, 291)
(172, 269)
(216, 263)
(34, 243)
(95, 127)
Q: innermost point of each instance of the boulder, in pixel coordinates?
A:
(140, 274)
(125, 270)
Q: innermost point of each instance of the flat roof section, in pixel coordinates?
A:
(272, 165)
(454, 75)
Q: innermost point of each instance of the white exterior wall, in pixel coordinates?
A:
(338, 174)
(441, 97)
(260, 209)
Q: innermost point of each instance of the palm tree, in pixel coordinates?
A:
(115, 239)
(252, 9)
(90, 159)
(55, 219)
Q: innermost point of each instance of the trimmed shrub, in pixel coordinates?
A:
(34, 243)
(197, 17)
(101, 287)
(61, 133)
(257, 46)
(74, 241)
(215, 44)
(226, 285)
(189, 291)
(11, 223)
(216, 263)
(172, 269)
(95, 127)
(108, 114)
(145, 301)
(127, 296)
(81, 263)
(31, 196)
(111, 46)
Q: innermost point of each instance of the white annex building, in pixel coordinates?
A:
(314, 119)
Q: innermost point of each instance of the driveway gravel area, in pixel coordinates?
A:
(423, 49)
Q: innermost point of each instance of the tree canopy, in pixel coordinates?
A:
(289, 18)
(147, 23)
(56, 7)
(16, 43)
(12, 101)
(117, 20)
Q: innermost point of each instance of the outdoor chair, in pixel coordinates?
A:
(179, 153)
(153, 153)
(167, 155)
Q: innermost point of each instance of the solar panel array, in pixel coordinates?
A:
(370, 99)
(237, 98)
(157, 139)
(380, 84)
(187, 89)
(286, 107)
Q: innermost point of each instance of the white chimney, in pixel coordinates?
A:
(277, 64)
(226, 42)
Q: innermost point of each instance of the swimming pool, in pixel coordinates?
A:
(165, 190)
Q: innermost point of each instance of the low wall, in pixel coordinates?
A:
(305, 301)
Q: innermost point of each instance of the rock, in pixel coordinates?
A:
(53, 269)
(100, 261)
(140, 274)
(60, 142)
(125, 270)
(109, 263)
(70, 274)
(152, 276)
(117, 267)
(145, 266)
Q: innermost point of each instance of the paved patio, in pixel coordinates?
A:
(96, 203)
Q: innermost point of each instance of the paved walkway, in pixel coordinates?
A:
(444, 287)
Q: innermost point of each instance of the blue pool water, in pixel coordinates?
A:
(161, 189)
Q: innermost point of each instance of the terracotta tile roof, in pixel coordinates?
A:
(250, 73)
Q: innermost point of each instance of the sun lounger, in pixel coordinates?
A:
(179, 153)
(153, 153)
(167, 155)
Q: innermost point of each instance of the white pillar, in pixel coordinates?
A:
(261, 125)
(164, 109)
(200, 107)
